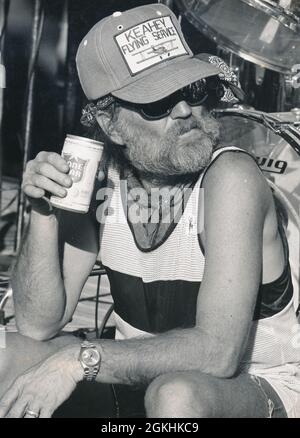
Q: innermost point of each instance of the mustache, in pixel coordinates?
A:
(184, 126)
(207, 124)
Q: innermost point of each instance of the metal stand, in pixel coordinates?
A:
(35, 40)
(169, 3)
(4, 6)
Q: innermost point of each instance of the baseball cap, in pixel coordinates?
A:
(139, 55)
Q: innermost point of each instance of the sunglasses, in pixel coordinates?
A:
(206, 92)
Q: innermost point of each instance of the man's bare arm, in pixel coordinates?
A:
(57, 255)
(237, 200)
(234, 226)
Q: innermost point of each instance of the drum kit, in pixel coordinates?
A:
(266, 34)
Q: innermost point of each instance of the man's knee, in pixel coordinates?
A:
(181, 395)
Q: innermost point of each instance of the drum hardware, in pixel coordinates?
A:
(260, 31)
(296, 113)
(291, 118)
(271, 120)
(168, 3)
(292, 91)
(291, 80)
(287, 130)
(278, 12)
(259, 75)
(265, 33)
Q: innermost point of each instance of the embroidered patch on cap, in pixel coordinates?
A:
(150, 43)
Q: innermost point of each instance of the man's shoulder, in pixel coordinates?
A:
(225, 159)
(235, 177)
(234, 166)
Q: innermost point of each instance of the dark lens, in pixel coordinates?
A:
(203, 91)
(195, 93)
(151, 111)
(208, 91)
(158, 109)
(215, 87)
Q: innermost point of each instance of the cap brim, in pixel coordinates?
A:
(166, 80)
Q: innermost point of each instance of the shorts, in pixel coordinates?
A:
(129, 401)
(99, 400)
(274, 405)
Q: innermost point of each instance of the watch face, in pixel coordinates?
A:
(90, 357)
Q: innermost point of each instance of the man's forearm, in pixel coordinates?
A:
(39, 294)
(139, 361)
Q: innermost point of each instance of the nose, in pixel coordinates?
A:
(181, 110)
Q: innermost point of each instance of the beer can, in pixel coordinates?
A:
(83, 156)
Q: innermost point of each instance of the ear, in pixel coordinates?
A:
(106, 124)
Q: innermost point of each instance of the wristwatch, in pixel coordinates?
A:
(90, 359)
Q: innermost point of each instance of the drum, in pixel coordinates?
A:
(265, 32)
(274, 139)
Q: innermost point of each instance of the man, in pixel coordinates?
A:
(203, 301)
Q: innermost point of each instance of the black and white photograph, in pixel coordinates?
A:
(149, 211)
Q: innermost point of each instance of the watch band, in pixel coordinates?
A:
(90, 374)
(90, 371)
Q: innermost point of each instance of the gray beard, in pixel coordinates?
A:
(174, 156)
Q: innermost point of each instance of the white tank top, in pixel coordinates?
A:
(272, 341)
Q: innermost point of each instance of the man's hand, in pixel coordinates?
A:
(44, 387)
(45, 175)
